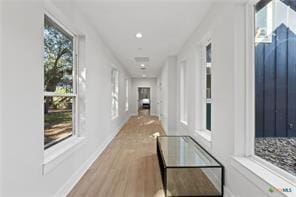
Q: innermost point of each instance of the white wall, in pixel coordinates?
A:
(143, 82)
(224, 24)
(167, 96)
(22, 101)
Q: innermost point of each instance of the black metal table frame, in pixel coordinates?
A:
(164, 167)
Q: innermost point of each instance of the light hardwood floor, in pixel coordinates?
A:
(129, 167)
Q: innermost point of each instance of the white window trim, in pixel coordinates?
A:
(270, 25)
(200, 127)
(257, 170)
(75, 78)
(126, 95)
(116, 84)
(205, 133)
(183, 93)
(205, 99)
(205, 136)
(55, 154)
(263, 177)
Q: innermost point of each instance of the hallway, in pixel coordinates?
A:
(87, 86)
(128, 166)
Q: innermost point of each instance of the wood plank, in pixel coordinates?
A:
(259, 89)
(281, 81)
(291, 132)
(269, 89)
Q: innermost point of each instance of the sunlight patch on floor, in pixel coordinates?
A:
(159, 193)
(155, 135)
(149, 122)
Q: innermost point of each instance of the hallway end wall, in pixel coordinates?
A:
(143, 82)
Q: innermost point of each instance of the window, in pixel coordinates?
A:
(208, 78)
(264, 21)
(275, 85)
(183, 93)
(114, 84)
(126, 95)
(60, 90)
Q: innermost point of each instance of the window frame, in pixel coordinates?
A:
(126, 95)
(183, 93)
(204, 78)
(74, 95)
(249, 134)
(115, 97)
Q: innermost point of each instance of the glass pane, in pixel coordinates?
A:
(208, 85)
(209, 53)
(208, 70)
(58, 58)
(58, 120)
(275, 83)
(194, 181)
(208, 115)
(184, 152)
(264, 22)
(114, 84)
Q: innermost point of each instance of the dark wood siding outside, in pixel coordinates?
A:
(275, 77)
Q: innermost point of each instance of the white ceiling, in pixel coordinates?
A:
(165, 27)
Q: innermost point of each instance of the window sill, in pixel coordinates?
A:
(184, 122)
(54, 155)
(114, 118)
(205, 137)
(272, 183)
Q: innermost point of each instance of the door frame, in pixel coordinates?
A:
(150, 87)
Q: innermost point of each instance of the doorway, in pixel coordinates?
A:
(144, 101)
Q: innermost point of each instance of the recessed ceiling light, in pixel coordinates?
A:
(139, 35)
(142, 65)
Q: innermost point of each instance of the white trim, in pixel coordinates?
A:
(206, 41)
(262, 177)
(265, 172)
(184, 122)
(204, 136)
(126, 95)
(115, 94)
(250, 81)
(57, 16)
(273, 168)
(183, 92)
(239, 76)
(227, 192)
(49, 9)
(150, 97)
(53, 94)
(56, 154)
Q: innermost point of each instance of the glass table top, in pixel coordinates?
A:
(182, 151)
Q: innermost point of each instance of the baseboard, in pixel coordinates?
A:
(74, 179)
(227, 192)
(212, 177)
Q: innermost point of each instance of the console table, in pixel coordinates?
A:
(187, 169)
